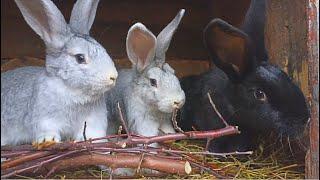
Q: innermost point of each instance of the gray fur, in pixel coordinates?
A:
(82, 15)
(165, 36)
(52, 103)
(147, 108)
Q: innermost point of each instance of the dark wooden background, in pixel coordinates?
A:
(113, 19)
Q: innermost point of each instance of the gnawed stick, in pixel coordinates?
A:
(200, 166)
(121, 160)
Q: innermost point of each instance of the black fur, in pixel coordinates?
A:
(233, 86)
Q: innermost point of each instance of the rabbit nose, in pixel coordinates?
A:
(112, 79)
(176, 104)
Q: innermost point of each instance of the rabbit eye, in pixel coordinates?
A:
(260, 95)
(80, 58)
(153, 82)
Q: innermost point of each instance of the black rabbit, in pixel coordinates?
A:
(247, 90)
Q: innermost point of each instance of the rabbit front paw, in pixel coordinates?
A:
(45, 141)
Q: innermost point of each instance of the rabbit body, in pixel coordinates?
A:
(27, 93)
(149, 92)
(247, 90)
(53, 103)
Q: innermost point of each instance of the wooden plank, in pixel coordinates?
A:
(312, 159)
(285, 35)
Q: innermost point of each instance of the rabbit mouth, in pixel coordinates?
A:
(98, 88)
(166, 110)
(169, 107)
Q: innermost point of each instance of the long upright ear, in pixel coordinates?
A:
(229, 48)
(141, 44)
(82, 15)
(46, 20)
(165, 36)
(254, 25)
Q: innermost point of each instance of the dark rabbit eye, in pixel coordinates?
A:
(153, 82)
(260, 95)
(80, 58)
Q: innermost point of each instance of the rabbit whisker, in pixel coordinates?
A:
(281, 141)
(288, 140)
(303, 147)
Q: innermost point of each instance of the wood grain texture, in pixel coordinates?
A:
(312, 160)
(286, 38)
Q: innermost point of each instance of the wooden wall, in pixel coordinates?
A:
(286, 38)
(112, 22)
(293, 43)
(114, 18)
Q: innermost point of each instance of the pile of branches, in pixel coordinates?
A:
(115, 151)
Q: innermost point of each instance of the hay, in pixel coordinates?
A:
(276, 165)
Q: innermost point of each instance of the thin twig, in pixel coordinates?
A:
(216, 110)
(140, 162)
(135, 140)
(123, 122)
(174, 121)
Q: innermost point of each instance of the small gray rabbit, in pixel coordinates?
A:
(53, 103)
(149, 91)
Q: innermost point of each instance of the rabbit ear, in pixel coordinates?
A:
(82, 15)
(141, 44)
(46, 20)
(229, 48)
(165, 36)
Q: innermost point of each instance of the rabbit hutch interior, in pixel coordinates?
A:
(291, 39)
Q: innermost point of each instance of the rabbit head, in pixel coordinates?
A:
(264, 97)
(154, 79)
(71, 54)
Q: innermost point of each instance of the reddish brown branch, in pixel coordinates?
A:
(15, 162)
(122, 160)
(136, 140)
(216, 110)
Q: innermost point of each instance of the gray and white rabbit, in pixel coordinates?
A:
(53, 103)
(149, 91)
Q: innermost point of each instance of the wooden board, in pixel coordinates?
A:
(312, 160)
(286, 38)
